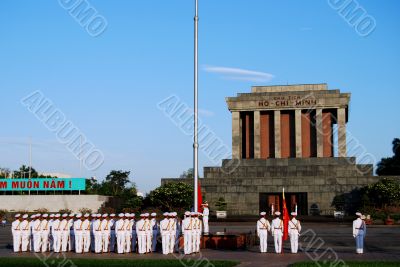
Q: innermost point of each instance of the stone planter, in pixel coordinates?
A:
(221, 214)
(389, 221)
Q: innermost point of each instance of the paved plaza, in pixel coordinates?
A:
(319, 241)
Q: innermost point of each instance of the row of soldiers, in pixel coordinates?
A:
(276, 228)
(102, 233)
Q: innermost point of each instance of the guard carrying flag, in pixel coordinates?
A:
(286, 220)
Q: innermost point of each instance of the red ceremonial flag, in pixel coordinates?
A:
(285, 218)
(199, 197)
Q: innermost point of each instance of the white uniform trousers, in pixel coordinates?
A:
(263, 240)
(205, 224)
(188, 243)
(25, 241)
(165, 243)
(120, 242)
(171, 242)
(98, 240)
(149, 238)
(86, 241)
(78, 241)
(64, 240)
(142, 243)
(127, 242)
(56, 241)
(17, 239)
(278, 241)
(37, 241)
(294, 241)
(44, 241)
(106, 241)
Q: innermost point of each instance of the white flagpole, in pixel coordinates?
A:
(195, 141)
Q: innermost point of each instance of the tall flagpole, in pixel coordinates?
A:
(195, 141)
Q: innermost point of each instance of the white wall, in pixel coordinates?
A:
(51, 202)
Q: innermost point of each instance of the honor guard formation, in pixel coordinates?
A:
(103, 233)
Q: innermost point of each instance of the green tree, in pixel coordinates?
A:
(116, 182)
(384, 193)
(391, 165)
(172, 196)
(187, 174)
(23, 172)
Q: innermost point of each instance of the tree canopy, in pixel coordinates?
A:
(391, 165)
(172, 196)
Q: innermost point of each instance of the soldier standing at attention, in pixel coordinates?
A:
(92, 241)
(141, 232)
(294, 232)
(25, 233)
(178, 232)
(164, 229)
(78, 230)
(120, 233)
(37, 233)
(128, 233)
(51, 216)
(16, 232)
(45, 233)
(359, 230)
(65, 232)
(86, 233)
(155, 229)
(105, 232)
(172, 232)
(277, 232)
(187, 226)
(71, 241)
(206, 213)
(263, 227)
(56, 232)
(33, 219)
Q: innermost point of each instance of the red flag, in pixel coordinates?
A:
(285, 218)
(199, 197)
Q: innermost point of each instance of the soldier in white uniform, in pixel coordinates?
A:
(97, 234)
(45, 233)
(92, 241)
(141, 232)
(263, 227)
(155, 230)
(56, 233)
(33, 219)
(172, 232)
(187, 226)
(127, 232)
(25, 233)
(86, 233)
(196, 233)
(277, 232)
(164, 230)
(37, 233)
(65, 232)
(51, 219)
(294, 232)
(206, 213)
(148, 232)
(17, 233)
(120, 233)
(106, 232)
(359, 230)
(78, 230)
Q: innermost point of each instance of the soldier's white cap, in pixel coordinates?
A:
(71, 215)
(93, 215)
(146, 215)
(78, 215)
(277, 213)
(32, 216)
(293, 213)
(112, 215)
(57, 215)
(98, 215)
(65, 215)
(363, 217)
(38, 215)
(263, 213)
(105, 215)
(358, 214)
(121, 215)
(187, 213)
(24, 216)
(86, 215)
(17, 215)
(142, 215)
(45, 215)
(153, 214)
(51, 215)
(192, 213)
(126, 215)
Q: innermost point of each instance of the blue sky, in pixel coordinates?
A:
(109, 86)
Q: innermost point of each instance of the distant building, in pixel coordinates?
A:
(284, 136)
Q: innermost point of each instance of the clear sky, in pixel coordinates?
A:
(109, 86)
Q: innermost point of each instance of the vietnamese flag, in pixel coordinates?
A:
(199, 197)
(285, 218)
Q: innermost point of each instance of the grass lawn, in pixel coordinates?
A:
(34, 262)
(351, 264)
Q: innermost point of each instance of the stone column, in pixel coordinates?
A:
(257, 146)
(277, 131)
(341, 121)
(320, 133)
(236, 136)
(297, 122)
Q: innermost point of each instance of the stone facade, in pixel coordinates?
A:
(283, 137)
